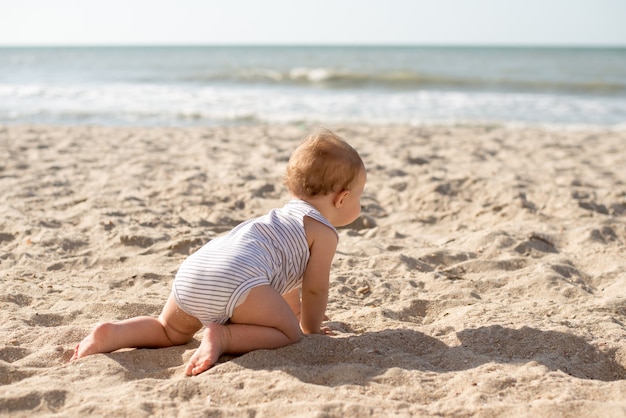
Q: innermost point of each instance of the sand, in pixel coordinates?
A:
(486, 276)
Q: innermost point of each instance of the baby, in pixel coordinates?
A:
(245, 287)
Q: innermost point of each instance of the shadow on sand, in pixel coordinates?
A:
(414, 350)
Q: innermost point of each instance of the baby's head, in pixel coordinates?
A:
(322, 164)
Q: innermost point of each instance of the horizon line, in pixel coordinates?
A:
(311, 44)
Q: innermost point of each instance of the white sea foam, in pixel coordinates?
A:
(181, 104)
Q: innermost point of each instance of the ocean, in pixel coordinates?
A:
(216, 85)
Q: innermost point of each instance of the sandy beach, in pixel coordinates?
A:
(486, 276)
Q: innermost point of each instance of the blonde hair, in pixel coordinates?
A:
(323, 163)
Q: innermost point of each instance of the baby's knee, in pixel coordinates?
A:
(294, 335)
(297, 337)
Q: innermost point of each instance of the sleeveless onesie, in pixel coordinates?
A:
(269, 250)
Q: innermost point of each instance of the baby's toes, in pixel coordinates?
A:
(75, 355)
(197, 366)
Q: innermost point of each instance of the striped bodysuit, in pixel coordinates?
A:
(269, 250)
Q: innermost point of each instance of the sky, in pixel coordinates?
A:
(227, 22)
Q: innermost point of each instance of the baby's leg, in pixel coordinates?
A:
(263, 320)
(173, 327)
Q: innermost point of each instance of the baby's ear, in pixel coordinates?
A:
(340, 197)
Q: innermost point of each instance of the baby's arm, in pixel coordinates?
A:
(316, 276)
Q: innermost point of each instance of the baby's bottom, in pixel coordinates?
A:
(212, 304)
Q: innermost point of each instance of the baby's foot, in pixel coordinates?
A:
(209, 351)
(93, 343)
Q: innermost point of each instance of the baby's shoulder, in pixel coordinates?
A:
(319, 232)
